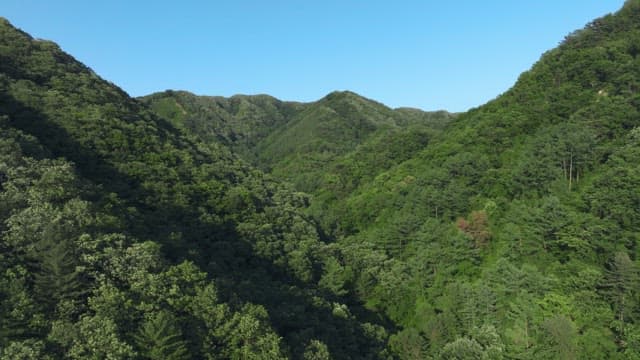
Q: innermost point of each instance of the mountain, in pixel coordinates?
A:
(515, 231)
(176, 226)
(509, 231)
(296, 142)
(240, 122)
(122, 236)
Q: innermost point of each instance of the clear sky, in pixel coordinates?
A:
(432, 55)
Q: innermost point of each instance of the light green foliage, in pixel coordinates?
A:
(522, 313)
(316, 350)
(249, 337)
(462, 348)
(621, 284)
(112, 303)
(409, 344)
(142, 228)
(484, 344)
(213, 315)
(93, 337)
(336, 277)
(492, 345)
(24, 350)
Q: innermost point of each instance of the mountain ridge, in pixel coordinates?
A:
(516, 186)
(337, 123)
(142, 206)
(139, 228)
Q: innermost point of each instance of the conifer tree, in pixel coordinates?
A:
(620, 285)
(159, 338)
(57, 277)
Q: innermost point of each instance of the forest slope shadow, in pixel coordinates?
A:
(243, 277)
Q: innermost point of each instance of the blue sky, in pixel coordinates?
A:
(432, 55)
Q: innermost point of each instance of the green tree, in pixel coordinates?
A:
(523, 315)
(58, 277)
(159, 338)
(248, 337)
(19, 313)
(560, 338)
(316, 350)
(91, 338)
(24, 350)
(484, 343)
(462, 349)
(621, 284)
(409, 344)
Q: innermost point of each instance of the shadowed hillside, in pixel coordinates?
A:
(511, 230)
(124, 237)
(184, 227)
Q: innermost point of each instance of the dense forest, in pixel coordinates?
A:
(176, 226)
(299, 142)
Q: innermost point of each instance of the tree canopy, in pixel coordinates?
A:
(182, 227)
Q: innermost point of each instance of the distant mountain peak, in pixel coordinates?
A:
(348, 95)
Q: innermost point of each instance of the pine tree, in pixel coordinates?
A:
(621, 282)
(159, 338)
(57, 277)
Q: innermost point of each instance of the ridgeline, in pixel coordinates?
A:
(176, 226)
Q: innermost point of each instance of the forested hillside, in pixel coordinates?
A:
(514, 233)
(184, 227)
(510, 231)
(240, 122)
(124, 237)
(297, 142)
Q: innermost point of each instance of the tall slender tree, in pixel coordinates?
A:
(159, 338)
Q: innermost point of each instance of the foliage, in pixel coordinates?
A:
(143, 229)
(123, 236)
